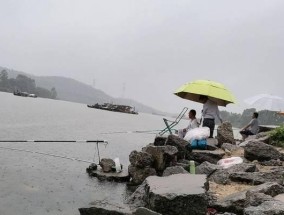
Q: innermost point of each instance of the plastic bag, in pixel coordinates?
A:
(228, 162)
(197, 134)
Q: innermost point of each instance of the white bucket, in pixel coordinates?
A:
(117, 165)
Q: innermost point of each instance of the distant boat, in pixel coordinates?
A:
(24, 94)
(114, 107)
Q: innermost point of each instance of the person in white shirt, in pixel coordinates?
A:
(251, 128)
(192, 124)
(209, 113)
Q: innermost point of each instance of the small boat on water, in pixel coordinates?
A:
(24, 94)
(114, 107)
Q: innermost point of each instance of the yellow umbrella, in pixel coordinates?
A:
(215, 91)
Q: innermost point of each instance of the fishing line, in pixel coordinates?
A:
(47, 154)
(55, 155)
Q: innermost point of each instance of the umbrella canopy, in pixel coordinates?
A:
(215, 91)
(266, 102)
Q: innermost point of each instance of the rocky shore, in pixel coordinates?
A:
(160, 174)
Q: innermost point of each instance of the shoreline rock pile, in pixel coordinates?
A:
(164, 185)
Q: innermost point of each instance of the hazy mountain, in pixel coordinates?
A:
(69, 89)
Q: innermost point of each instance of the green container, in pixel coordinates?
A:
(192, 167)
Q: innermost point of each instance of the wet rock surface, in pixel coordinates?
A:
(236, 202)
(256, 178)
(141, 159)
(206, 155)
(185, 196)
(138, 175)
(174, 170)
(107, 164)
(163, 156)
(222, 176)
(266, 208)
(225, 134)
(122, 176)
(257, 150)
(180, 144)
(207, 168)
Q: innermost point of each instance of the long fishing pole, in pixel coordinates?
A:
(131, 132)
(53, 141)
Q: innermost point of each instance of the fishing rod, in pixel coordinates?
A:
(131, 132)
(53, 141)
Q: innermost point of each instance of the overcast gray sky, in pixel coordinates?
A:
(150, 46)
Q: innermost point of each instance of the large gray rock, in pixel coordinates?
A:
(174, 170)
(145, 211)
(122, 176)
(204, 155)
(164, 156)
(141, 159)
(222, 176)
(257, 150)
(256, 178)
(179, 194)
(207, 168)
(235, 203)
(230, 147)
(105, 210)
(138, 175)
(255, 198)
(107, 164)
(225, 133)
(160, 141)
(180, 144)
(266, 208)
(272, 163)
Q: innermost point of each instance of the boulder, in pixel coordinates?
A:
(179, 194)
(257, 150)
(225, 133)
(272, 163)
(255, 198)
(107, 164)
(122, 176)
(180, 144)
(222, 176)
(138, 175)
(145, 211)
(141, 159)
(235, 203)
(230, 147)
(266, 208)
(163, 156)
(279, 197)
(204, 155)
(174, 170)
(207, 168)
(256, 178)
(160, 141)
(108, 209)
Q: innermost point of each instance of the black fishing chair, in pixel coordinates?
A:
(171, 124)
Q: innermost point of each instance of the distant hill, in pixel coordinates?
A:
(69, 89)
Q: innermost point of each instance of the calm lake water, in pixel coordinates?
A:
(36, 184)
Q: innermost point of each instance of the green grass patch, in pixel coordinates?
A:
(277, 136)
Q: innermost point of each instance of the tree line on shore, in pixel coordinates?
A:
(265, 117)
(24, 84)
